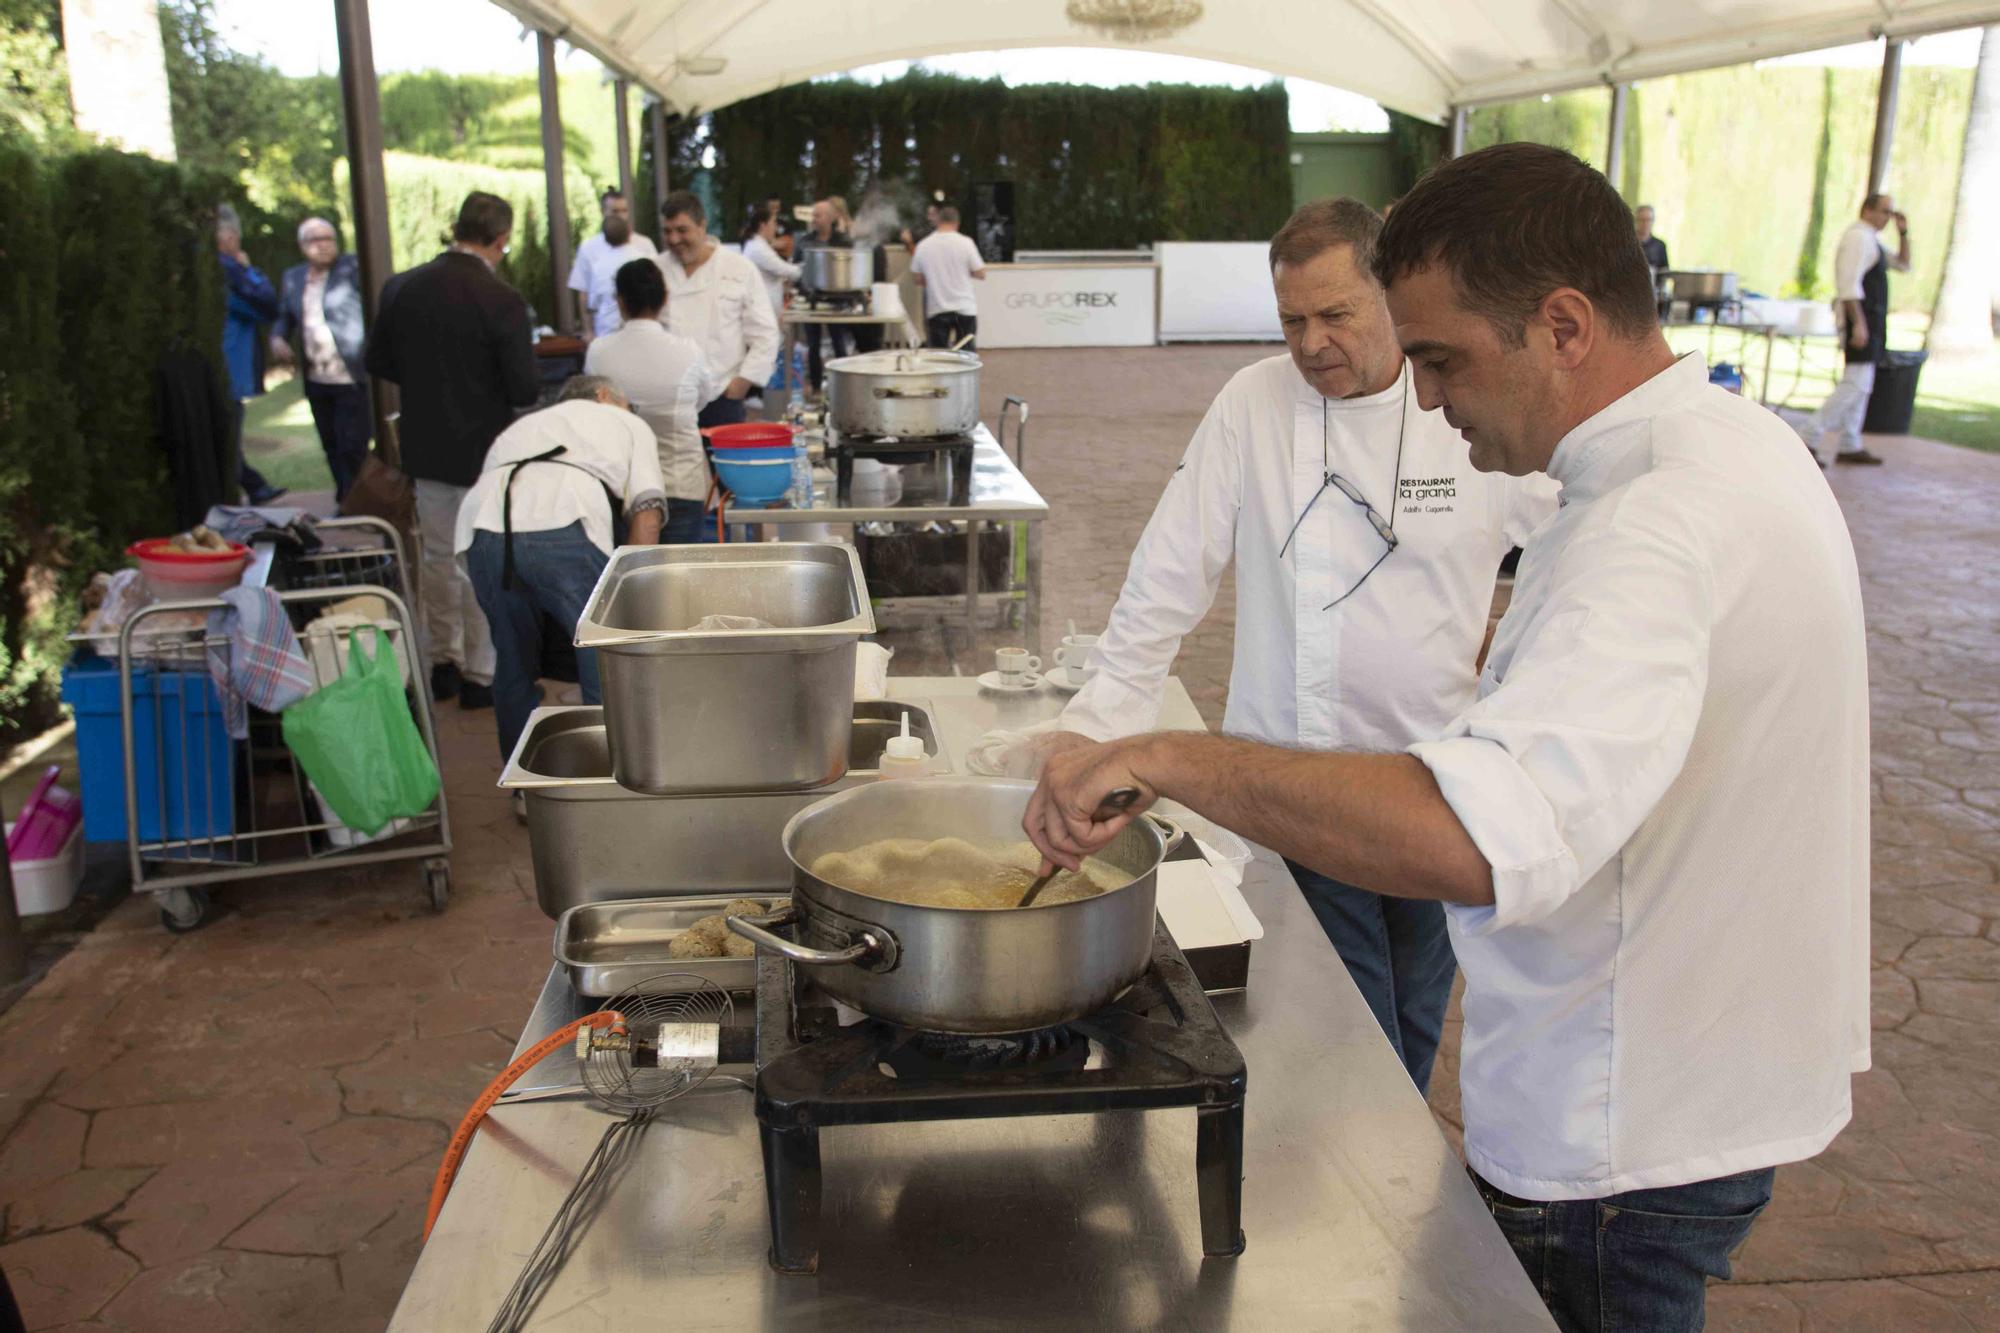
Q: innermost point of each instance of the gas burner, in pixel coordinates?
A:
(955, 451)
(1158, 1045)
(833, 303)
(999, 1051)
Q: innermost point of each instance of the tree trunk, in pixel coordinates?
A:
(1962, 319)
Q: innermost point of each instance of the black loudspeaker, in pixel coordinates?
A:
(993, 220)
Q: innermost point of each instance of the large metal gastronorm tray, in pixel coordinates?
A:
(612, 947)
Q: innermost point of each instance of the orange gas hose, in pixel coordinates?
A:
(461, 1138)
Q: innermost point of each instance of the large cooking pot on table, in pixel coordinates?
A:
(1700, 287)
(909, 394)
(835, 269)
(954, 969)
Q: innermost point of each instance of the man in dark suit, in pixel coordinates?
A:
(319, 303)
(457, 339)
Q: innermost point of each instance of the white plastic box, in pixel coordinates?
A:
(49, 885)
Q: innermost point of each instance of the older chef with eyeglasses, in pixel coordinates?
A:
(1366, 552)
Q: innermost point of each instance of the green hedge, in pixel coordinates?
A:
(1760, 170)
(110, 265)
(1092, 167)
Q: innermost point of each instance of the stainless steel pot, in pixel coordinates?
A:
(836, 270)
(910, 395)
(951, 969)
(1703, 287)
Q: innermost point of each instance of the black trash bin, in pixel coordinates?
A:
(1894, 400)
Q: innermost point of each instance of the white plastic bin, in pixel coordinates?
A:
(49, 885)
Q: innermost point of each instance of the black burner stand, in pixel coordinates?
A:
(1161, 1045)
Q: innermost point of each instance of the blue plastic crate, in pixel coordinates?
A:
(179, 735)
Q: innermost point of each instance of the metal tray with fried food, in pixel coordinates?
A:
(611, 947)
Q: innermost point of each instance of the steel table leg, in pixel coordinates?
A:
(1218, 1170)
(1031, 609)
(792, 1193)
(972, 583)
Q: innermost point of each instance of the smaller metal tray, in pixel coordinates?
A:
(611, 947)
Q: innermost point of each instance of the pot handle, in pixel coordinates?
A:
(938, 392)
(751, 929)
(1169, 829)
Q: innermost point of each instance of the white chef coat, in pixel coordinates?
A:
(947, 260)
(773, 269)
(1667, 769)
(1391, 664)
(723, 308)
(666, 380)
(602, 445)
(1860, 249)
(594, 272)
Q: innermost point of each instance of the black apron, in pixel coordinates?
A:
(1874, 309)
(507, 508)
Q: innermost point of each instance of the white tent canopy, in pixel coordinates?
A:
(1421, 57)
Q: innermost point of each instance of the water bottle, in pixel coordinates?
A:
(802, 472)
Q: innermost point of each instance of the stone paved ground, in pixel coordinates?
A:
(235, 1129)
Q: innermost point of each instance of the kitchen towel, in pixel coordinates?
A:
(254, 657)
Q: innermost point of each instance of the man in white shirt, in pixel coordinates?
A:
(1665, 947)
(538, 527)
(663, 377)
(758, 234)
(1347, 636)
(946, 264)
(598, 260)
(715, 298)
(1861, 265)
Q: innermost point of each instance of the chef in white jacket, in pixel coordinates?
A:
(1366, 552)
(1651, 827)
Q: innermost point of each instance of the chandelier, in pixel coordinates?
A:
(1134, 20)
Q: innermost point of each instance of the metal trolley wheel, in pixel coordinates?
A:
(183, 909)
(437, 883)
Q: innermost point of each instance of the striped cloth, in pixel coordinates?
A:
(254, 658)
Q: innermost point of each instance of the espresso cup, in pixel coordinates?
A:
(1075, 651)
(1015, 664)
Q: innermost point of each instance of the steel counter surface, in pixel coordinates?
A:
(999, 493)
(1358, 1214)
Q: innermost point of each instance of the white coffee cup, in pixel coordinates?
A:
(1075, 651)
(1015, 665)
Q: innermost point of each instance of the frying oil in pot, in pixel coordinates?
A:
(952, 872)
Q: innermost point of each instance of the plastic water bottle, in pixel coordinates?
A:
(802, 472)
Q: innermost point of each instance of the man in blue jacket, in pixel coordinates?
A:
(250, 302)
(319, 303)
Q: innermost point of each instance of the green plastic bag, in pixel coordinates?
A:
(356, 740)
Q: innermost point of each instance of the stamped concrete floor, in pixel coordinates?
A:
(235, 1129)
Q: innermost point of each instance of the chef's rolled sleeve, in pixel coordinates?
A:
(1585, 719)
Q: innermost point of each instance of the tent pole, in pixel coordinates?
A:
(658, 123)
(552, 167)
(367, 185)
(1454, 144)
(1885, 114)
(621, 102)
(1614, 139)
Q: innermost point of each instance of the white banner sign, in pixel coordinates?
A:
(1066, 305)
(1216, 291)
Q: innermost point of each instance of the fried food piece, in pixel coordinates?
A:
(694, 944)
(744, 907)
(738, 947)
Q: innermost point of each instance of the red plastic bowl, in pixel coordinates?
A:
(748, 435)
(187, 575)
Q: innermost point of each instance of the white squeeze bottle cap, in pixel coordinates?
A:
(903, 756)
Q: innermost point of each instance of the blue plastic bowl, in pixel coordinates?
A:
(755, 481)
(753, 454)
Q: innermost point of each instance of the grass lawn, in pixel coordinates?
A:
(280, 442)
(1958, 401)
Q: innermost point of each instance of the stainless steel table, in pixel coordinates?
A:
(1357, 1212)
(998, 493)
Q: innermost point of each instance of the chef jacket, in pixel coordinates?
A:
(774, 269)
(1391, 664)
(1667, 769)
(723, 308)
(594, 275)
(1861, 275)
(604, 448)
(664, 378)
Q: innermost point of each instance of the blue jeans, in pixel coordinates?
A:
(554, 572)
(1639, 1260)
(1399, 954)
(683, 525)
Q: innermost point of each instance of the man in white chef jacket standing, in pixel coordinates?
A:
(1665, 947)
(1366, 553)
(715, 298)
(594, 274)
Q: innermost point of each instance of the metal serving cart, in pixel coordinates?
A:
(203, 808)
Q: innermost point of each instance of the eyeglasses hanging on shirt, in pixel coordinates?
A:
(1384, 528)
